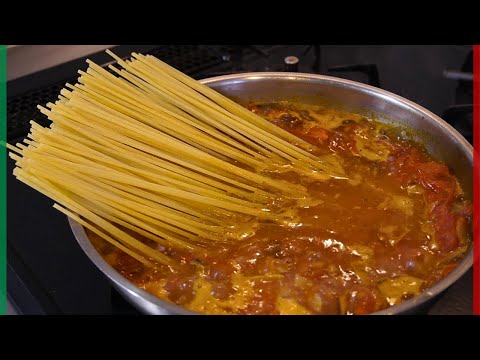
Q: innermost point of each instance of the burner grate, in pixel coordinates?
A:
(190, 59)
(23, 108)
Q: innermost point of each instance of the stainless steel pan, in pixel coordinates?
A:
(441, 140)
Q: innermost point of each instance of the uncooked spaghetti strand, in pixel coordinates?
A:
(249, 139)
(157, 234)
(165, 95)
(112, 175)
(223, 134)
(236, 129)
(220, 99)
(223, 100)
(121, 193)
(103, 235)
(17, 150)
(154, 155)
(178, 130)
(78, 157)
(66, 137)
(257, 133)
(188, 211)
(153, 137)
(133, 194)
(261, 137)
(86, 194)
(78, 186)
(13, 148)
(53, 193)
(184, 149)
(151, 106)
(135, 80)
(126, 136)
(159, 139)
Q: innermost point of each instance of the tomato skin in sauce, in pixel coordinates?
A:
(398, 228)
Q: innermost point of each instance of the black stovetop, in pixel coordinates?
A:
(47, 271)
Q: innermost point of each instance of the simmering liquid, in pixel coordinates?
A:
(396, 227)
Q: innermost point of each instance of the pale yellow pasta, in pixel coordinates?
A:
(152, 151)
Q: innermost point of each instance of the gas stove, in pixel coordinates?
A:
(47, 271)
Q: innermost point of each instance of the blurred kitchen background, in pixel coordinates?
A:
(45, 56)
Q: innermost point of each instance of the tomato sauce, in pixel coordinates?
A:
(398, 226)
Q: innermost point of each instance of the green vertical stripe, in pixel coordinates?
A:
(3, 179)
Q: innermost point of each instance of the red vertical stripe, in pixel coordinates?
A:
(476, 179)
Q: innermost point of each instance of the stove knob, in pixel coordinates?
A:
(291, 64)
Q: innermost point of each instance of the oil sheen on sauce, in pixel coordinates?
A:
(399, 226)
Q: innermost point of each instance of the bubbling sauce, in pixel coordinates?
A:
(398, 226)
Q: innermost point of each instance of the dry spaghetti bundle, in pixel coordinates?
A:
(149, 150)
